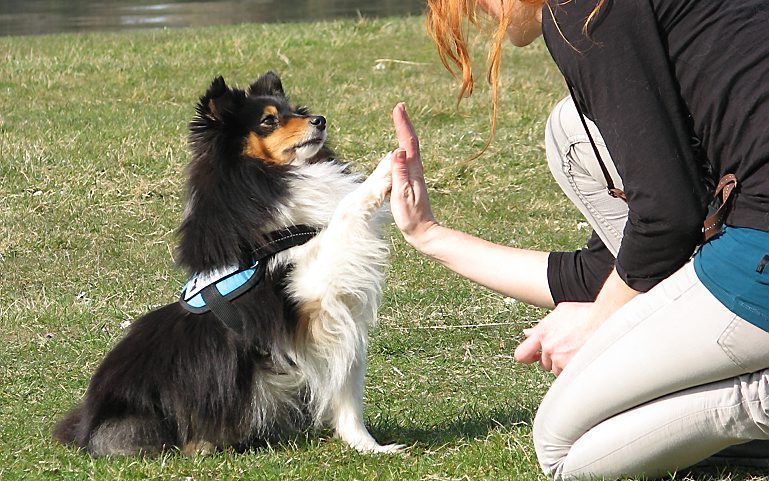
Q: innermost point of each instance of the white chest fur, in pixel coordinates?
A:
(337, 282)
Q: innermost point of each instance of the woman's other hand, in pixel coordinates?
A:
(409, 201)
(558, 336)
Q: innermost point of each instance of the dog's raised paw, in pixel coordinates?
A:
(381, 178)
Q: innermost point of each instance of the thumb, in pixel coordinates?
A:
(400, 168)
(528, 351)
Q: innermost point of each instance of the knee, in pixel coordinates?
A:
(551, 448)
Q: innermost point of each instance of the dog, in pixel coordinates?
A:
(268, 203)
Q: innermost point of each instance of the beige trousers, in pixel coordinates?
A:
(671, 379)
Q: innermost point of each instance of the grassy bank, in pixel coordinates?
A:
(93, 147)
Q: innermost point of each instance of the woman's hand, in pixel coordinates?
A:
(558, 336)
(409, 201)
(524, 275)
(563, 332)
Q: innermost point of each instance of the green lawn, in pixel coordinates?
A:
(93, 148)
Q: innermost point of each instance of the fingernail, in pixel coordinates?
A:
(400, 154)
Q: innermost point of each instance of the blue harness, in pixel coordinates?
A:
(214, 291)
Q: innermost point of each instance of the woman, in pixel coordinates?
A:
(666, 356)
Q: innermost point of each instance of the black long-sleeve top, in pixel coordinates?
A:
(680, 92)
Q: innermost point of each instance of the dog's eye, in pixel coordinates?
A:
(270, 120)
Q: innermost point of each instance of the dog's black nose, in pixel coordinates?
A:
(318, 121)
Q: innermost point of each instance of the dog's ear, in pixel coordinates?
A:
(267, 84)
(217, 100)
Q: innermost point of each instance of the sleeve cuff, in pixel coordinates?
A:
(640, 284)
(553, 277)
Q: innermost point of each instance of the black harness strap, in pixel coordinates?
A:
(726, 185)
(277, 241)
(224, 310)
(613, 190)
(283, 239)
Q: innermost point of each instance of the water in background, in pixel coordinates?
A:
(29, 17)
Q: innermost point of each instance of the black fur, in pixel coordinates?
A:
(178, 377)
(233, 196)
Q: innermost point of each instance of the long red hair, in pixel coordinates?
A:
(448, 22)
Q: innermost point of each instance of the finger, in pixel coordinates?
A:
(557, 364)
(407, 176)
(560, 362)
(528, 350)
(404, 131)
(529, 332)
(400, 169)
(546, 362)
(408, 141)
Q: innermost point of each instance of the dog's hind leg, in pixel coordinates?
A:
(198, 448)
(66, 430)
(130, 435)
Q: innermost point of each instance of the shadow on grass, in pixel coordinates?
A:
(741, 461)
(723, 473)
(750, 463)
(471, 424)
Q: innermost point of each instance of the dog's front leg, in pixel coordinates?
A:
(351, 223)
(358, 206)
(340, 283)
(347, 411)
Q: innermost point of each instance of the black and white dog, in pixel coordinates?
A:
(285, 247)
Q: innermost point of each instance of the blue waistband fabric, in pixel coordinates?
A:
(731, 266)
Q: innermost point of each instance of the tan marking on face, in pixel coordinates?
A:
(256, 149)
(277, 148)
(270, 110)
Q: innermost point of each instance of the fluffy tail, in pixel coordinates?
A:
(66, 429)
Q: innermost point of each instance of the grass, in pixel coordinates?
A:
(93, 147)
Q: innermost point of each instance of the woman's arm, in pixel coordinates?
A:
(518, 273)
